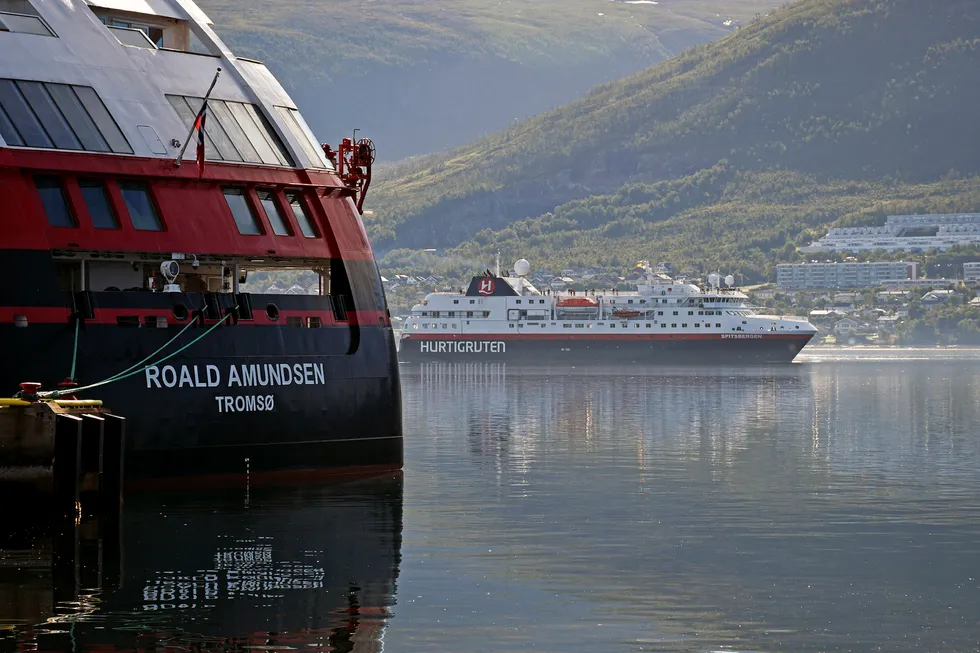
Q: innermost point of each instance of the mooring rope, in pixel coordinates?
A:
(74, 351)
(131, 371)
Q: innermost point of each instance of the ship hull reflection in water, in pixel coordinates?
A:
(308, 567)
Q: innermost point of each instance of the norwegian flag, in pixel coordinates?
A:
(202, 117)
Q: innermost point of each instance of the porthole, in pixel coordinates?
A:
(180, 312)
(272, 312)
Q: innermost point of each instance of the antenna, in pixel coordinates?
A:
(498, 263)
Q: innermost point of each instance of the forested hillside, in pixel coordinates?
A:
(825, 109)
(423, 76)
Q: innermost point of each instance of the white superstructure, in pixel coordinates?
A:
(150, 62)
(661, 306)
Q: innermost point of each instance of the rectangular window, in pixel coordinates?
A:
(235, 131)
(299, 212)
(675, 312)
(29, 128)
(226, 150)
(23, 24)
(241, 210)
(663, 325)
(258, 135)
(304, 136)
(55, 201)
(97, 202)
(673, 326)
(268, 201)
(76, 115)
(718, 325)
(7, 129)
(136, 195)
(132, 37)
(100, 115)
(684, 326)
(50, 116)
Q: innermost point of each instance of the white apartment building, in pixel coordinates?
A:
(843, 275)
(903, 233)
(971, 272)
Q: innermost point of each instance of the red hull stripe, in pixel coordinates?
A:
(42, 314)
(483, 337)
(59, 315)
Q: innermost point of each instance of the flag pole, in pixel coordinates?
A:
(207, 96)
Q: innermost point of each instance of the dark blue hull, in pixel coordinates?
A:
(246, 399)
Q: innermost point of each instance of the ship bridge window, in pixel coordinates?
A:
(135, 37)
(57, 116)
(235, 131)
(241, 210)
(299, 212)
(297, 126)
(21, 16)
(140, 205)
(97, 202)
(268, 201)
(55, 201)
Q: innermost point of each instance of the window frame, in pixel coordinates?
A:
(66, 199)
(242, 191)
(281, 214)
(305, 206)
(150, 194)
(39, 18)
(103, 185)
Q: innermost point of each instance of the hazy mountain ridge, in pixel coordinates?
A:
(847, 94)
(422, 76)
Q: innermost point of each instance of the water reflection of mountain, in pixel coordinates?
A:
(298, 568)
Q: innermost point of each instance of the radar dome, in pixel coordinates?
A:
(729, 280)
(714, 279)
(522, 268)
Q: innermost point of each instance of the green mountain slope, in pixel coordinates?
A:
(422, 76)
(841, 104)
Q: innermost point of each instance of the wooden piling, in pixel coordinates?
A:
(68, 453)
(113, 462)
(66, 466)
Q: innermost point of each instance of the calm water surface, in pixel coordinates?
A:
(831, 505)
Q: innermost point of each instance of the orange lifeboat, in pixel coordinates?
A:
(577, 307)
(626, 314)
(577, 302)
